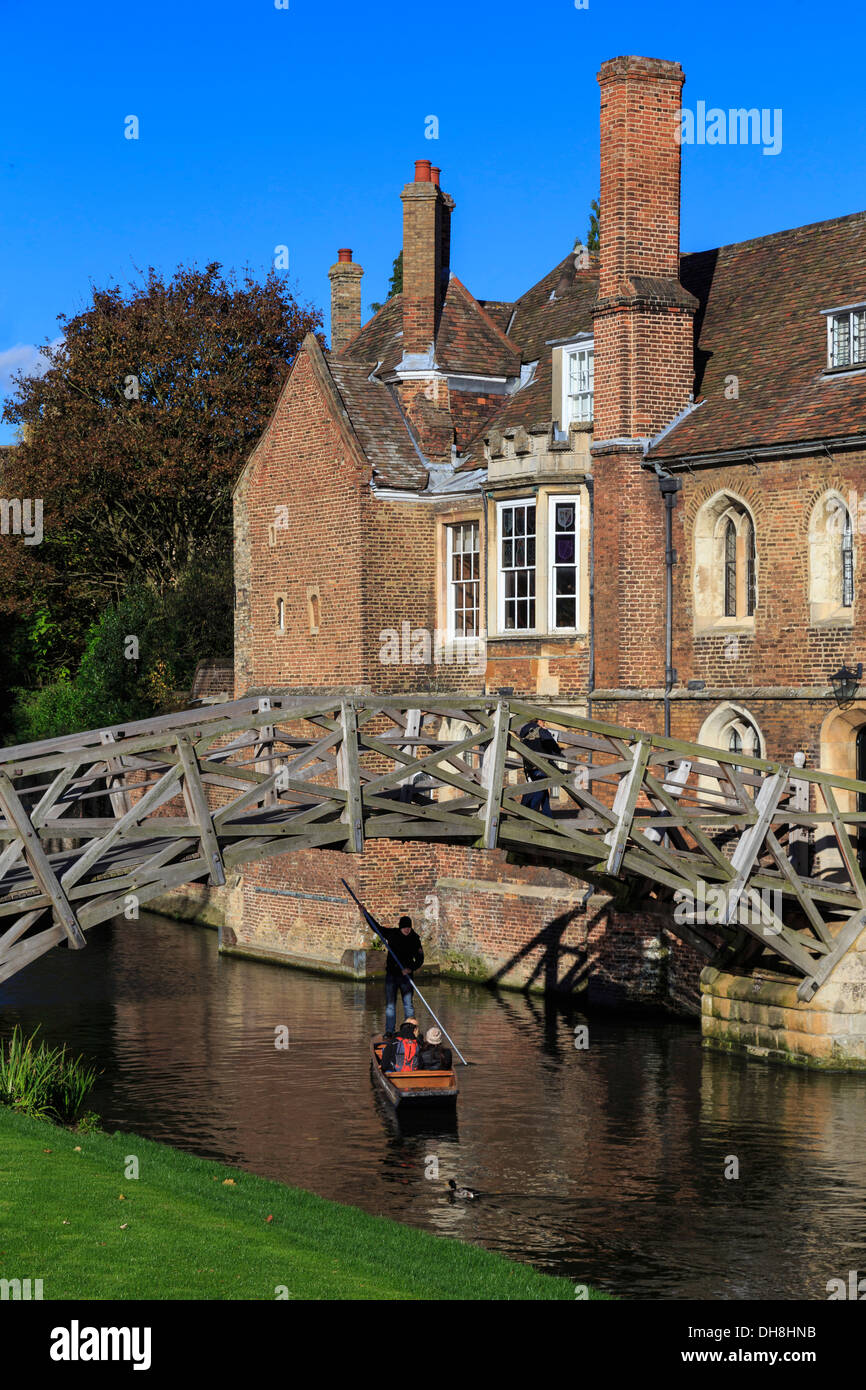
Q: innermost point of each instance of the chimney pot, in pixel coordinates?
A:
(434, 174)
(422, 171)
(344, 254)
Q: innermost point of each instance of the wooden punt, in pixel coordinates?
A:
(412, 1088)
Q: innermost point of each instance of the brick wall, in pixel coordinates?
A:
(302, 491)
(480, 917)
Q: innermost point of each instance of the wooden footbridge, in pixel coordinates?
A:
(94, 820)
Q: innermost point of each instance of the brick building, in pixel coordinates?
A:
(537, 474)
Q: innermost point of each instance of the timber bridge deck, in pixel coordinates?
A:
(92, 818)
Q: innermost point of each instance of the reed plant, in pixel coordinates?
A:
(43, 1081)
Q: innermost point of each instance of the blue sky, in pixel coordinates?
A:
(262, 127)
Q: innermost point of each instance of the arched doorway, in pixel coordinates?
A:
(861, 796)
(843, 751)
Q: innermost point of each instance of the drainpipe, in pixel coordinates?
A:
(669, 486)
(590, 483)
(484, 506)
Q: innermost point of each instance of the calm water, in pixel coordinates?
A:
(605, 1165)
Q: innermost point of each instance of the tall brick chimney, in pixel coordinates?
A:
(426, 257)
(345, 277)
(644, 361)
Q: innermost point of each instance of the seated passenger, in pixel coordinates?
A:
(401, 1053)
(435, 1057)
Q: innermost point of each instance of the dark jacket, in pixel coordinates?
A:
(435, 1058)
(542, 742)
(407, 949)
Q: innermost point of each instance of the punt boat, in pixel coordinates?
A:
(412, 1088)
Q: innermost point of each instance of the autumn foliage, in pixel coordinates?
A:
(135, 434)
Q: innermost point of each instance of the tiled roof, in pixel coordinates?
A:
(499, 311)
(558, 306)
(379, 425)
(380, 339)
(469, 341)
(760, 321)
(530, 405)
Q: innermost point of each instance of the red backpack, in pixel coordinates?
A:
(406, 1055)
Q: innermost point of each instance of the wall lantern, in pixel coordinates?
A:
(845, 684)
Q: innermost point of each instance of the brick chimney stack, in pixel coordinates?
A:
(644, 359)
(426, 257)
(345, 277)
(643, 321)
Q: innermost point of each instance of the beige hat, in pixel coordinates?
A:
(434, 1036)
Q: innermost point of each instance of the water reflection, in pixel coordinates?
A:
(606, 1164)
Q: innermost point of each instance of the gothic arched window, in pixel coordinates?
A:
(831, 561)
(726, 561)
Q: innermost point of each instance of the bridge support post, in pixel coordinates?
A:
(349, 778)
(763, 1015)
(199, 811)
(493, 774)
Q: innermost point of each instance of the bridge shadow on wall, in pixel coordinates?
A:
(559, 966)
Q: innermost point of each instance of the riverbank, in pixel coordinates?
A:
(190, 1228)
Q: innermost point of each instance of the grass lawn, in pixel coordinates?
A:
(189, 1228)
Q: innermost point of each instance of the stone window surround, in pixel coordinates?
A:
(825, 562)
(541, 494)
(708, 574)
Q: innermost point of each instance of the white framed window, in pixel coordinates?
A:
(846, 336)
(578, 374)
(516, 568)
(463, 598)
(281, 614)
(563, 538)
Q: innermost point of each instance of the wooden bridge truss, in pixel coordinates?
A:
(755, 860)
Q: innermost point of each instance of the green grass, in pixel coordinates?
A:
(190, 1234)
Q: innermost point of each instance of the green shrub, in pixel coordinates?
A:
(43, 1081)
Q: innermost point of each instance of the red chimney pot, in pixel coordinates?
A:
(434, 174)
(422, 171)
(344, 254)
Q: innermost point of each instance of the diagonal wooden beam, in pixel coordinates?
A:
(160, 791)
(26, 951)
(199, 810)
(624, 805)
(39, 865)
(750, 842)
(493, 775)
(846, 849)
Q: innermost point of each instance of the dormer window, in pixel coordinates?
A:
(578, 367)
(846, 336)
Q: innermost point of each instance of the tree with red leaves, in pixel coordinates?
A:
(134, 435)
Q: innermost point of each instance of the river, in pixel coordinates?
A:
(606, 1164)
